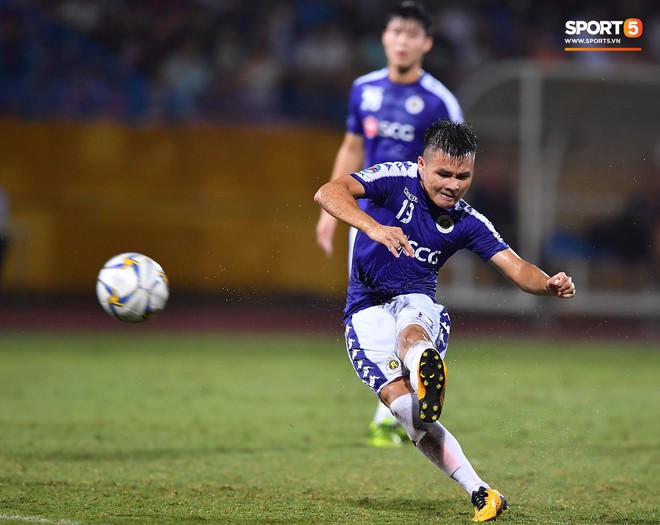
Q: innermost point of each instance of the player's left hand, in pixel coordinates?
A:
(561, 285)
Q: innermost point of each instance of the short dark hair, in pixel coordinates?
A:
(456, 139)
(409, 10)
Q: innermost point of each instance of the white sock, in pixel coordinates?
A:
(402, 409)
(467, 478)
(411, 360)
(437, 444)
(383, 414)
(445, 452)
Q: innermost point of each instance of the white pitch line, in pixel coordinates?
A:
(37, 519)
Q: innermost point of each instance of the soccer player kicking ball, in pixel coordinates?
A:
(396, 333)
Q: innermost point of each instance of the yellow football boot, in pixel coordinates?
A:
(432, 383)
(488, 504)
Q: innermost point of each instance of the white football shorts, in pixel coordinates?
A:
(372, 336)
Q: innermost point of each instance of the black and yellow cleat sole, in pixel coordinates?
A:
(432, 384)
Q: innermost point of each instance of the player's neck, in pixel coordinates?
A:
(409, 75)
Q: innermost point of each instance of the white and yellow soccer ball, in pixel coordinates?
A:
(132, 287)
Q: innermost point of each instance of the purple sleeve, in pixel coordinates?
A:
(379, 181)
(483, 238)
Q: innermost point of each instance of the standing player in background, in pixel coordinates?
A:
(389, 110)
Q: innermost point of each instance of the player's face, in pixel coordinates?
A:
(445, 179)
(405, 43)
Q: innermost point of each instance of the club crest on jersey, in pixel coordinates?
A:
(372, 98)
(444, 223)
(414, 105)
(393, 365)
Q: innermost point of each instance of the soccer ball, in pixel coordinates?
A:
(132, 287)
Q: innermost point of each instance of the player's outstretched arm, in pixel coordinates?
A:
(338, 198)
(349, 159)
(531, 279)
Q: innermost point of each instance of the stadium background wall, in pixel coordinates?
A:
(220, 208)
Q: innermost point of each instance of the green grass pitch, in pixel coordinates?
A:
(134, 427)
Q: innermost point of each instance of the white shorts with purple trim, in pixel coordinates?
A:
(372, 336)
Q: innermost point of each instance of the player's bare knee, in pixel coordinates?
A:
(410, 336)
(396, 388)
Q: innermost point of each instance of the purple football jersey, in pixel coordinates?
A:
(394, 197)
(393, 117)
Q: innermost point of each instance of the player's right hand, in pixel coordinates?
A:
(393, 238)
(325, 232)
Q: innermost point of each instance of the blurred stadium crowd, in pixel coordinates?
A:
(257, 61)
